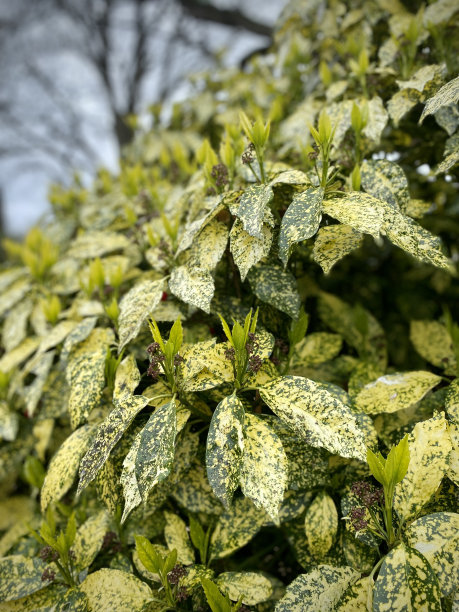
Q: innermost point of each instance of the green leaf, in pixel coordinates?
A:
(148, 555)
(321, 524)
(64, 465)
(406, 582)
(446, 95)
(135, 308)
(397, 461)
(107, 436)
(106, 586)
(386, 181)
(235, 528)
(192, 285)
(86, 374)
(20, 576)
(430, 445)
(252, 208)
(393, 392)
(301, 220)
(248, 250)
(277, 287)
(334, 242)
(263, 476)
(176, 536)
(320, 589)
(253, 588)
(176, 335)
(225, 445)
(377, 466)
(436, 537)
(156, 450)
(217, 602)
(316, 414)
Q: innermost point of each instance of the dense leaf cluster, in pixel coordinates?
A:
(228, 376)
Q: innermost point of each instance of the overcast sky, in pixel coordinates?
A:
(25, 188)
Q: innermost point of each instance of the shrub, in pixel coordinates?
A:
(228, 377)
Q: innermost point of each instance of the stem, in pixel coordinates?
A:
(65, 574)
(253, 172)
(388, 500)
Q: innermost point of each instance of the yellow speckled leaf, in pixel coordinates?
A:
(401, 103)
(357, 597)
(320, 590)
(333, 242)
(9, 422)
(235, 528)
(57, 335)
(40, 366)
(20, 353)
(79, 333)
(252, 207)
(430, 445)
(316, 414)
(44, 600)
(20, 576)
(89, 539)
(275, 286)
(361, 211)
(248, 250)
(208, 247)
(321, 524)
(13, 294)
(107, 436)
(446, 95)
(406, 582)
(224, 449)
(433, 342)
(128, 480)
(86, 374)
(408, 235)
(440, 12)
(194, 493)
(196, 226)
(301, 220)
(15, 508)
(135, 307)
(452, 401)
(422, 77)
(64, 465)
(316, 348)
(110, 589)
(263, 476)
(205, 366)
(95, 244)
(394, 392)
(127, 378)
(156, 450)
(436, 536)
(193, 286)
(386, 181)
(176, 536)
(15, 325)
(255, 588)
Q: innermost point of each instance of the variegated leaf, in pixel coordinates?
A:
(107, 436)
(106, 586)
(430, 446)
(57, 335)
(406, 582)
(361, 211)
(263, 476)
(89, 539)
(9, 422)
(176, 536)
(254, 588)
(436, 537)
(450, 155)
(194, 493)
(394, 392)
(64, 465)
(15, 325)
(79, 333)
(320, 589)
(47, 598)
(333, 242)
(155, 453)
(193, 229)
(358, 596)
(301, 220)
(225, 446)
(248, 250)
(439, 12)
(316, 348)
(401, 103)
(252, 207)
(277, 287)
(452, 401)
(446, 95)
(20, 353)
(386, 181)
(316, 414)
(321, 524)
(40, 366)
(95, 244)
(235, 528)
(423, 77)
(135, 307)
(13, 294)
(208, 247)
(433, 342)
(86, 374)
(20, 576)
(193, 286)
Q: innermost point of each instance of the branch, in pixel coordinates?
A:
(229, 17)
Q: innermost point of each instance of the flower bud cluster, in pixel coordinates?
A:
(219, 173)
(156, 357)
(255, 361)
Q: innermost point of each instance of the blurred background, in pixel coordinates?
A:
(72, 71)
